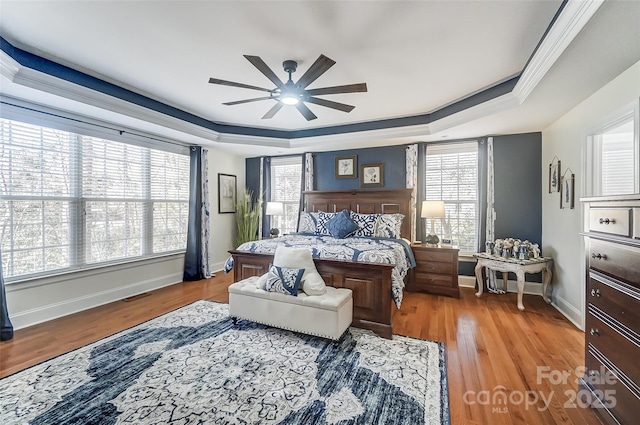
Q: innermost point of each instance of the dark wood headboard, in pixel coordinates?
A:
(383, 201)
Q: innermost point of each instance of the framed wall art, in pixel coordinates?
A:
(371, 175)
(346, 166)
(554, 175)
(226, 193)
(567, 190)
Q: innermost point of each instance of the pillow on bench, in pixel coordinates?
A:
(298, 258)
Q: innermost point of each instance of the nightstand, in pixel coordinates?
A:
(436, 270)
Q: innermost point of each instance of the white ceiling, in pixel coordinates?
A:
(415, 56)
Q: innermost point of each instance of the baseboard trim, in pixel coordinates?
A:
(569, 311)
(53, 311)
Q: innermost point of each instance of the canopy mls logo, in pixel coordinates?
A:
(500, 398)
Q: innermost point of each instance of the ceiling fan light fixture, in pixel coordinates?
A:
(289, 98)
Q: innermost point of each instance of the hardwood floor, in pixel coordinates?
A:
(504, 366)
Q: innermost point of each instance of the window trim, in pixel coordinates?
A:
(283, 161)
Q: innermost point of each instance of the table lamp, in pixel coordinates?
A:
(432, 210)
(274, 208)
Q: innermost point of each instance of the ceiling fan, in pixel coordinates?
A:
(291, 93)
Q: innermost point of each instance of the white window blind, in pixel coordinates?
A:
(286, 183)
(452, 176)
(615, 156)
(69, 201)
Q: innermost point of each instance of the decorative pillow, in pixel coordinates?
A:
(388, 226)
(261, 281)
(283, 280)
(341, 225)
(308, 222)
(323, 217)
(365, 222)
(312, 282)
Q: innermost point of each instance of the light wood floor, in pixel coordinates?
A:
(492, 348)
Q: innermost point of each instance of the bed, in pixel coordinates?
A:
(371, 283)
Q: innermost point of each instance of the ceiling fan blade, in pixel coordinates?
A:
(330, 104)
(349, 88)
(305, 111)
(255, 99)
(271, 112)
(319, 67)
(264, 68)
(232, 84)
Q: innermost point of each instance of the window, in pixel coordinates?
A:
(286, 183)
(612, 158)
(452, 176)
(68, 201)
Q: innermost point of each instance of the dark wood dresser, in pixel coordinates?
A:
(436, 271)
(611, 383)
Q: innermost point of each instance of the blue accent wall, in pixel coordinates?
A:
(393, 158)
(517, 164)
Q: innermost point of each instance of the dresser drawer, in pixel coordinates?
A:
(614, 221)
(617, 260)
(442, 257)
(614, 394)
(433, 279)
(432, 267)
(617, 300)
(617, 343)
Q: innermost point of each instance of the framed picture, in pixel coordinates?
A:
(567, 189)
(226, 193)
(346, 166)
(371, 175)
(554, 175)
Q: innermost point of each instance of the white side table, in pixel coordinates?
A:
(495, 263)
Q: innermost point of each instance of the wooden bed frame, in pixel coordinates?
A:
(370, 283)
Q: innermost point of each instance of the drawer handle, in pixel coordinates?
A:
(595, 292)
(607, 221)
(594, 331)
(599, 256)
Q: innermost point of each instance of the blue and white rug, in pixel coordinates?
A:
(193, 366)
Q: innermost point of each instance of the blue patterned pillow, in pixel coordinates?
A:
(321, 227)
(388, 226)
(308, 222)
(341, 225)
(283, 280)
(365, 222)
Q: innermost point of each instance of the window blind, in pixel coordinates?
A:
(68, 200)
(452, 176)
(286, 184)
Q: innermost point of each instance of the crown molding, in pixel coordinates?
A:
(9, 67)
(573, 17)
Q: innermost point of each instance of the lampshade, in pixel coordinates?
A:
(275, 208)
(432, 209)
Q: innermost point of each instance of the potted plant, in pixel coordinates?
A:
(247, 217)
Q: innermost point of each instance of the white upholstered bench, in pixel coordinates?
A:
(327, 315)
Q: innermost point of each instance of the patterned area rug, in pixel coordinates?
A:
(193, 366)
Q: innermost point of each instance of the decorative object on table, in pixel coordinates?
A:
(554, 175)
(432, 210)
(226, 193)
(247, 217)
(181, 358)
(346, 166)
(567, 189)
(513, 248)
(274, 209)
(371, 175)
